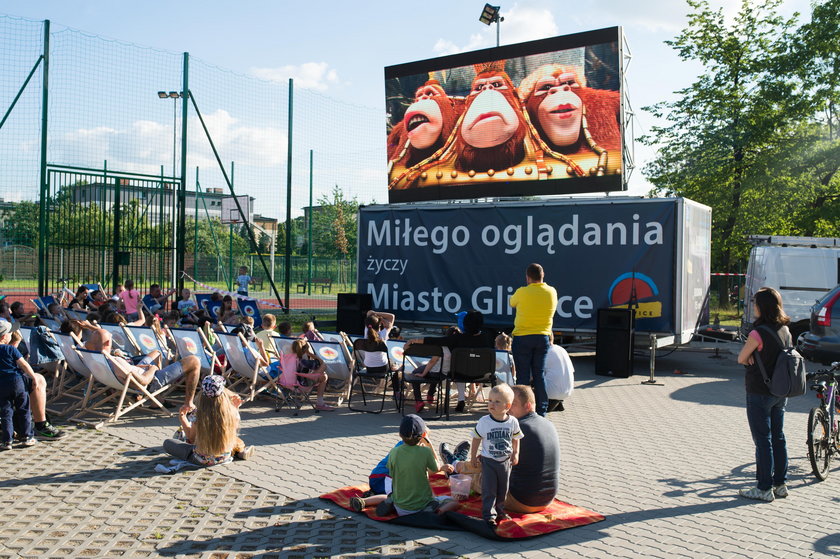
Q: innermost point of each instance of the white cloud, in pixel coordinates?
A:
(309, 75)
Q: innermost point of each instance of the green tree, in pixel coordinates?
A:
(718, 134)
(20, 225)
(334, 225)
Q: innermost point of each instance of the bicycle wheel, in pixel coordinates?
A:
(819, 452)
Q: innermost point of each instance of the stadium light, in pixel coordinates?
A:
(174, 94)
(490, 14)
(162, 94)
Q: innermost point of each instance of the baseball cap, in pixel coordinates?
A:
(6, 327)
(412, 426)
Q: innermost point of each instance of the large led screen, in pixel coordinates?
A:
(536, 118)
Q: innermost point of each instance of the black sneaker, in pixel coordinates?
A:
(446, 453)
(385, 508)
(48, 433)
(460, 407)
(462, 451)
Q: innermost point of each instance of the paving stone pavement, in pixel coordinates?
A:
(663, 463)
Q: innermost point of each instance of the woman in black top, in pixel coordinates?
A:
(765, 412)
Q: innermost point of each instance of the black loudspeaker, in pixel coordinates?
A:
(614, 342)
(350, 315)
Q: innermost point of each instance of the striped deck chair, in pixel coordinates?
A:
(193, 342)
(148, 341)
(103, 370)
(249, 375)
(338, 366)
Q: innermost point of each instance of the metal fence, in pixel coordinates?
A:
(153, 140)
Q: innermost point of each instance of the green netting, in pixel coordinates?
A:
(104, 110)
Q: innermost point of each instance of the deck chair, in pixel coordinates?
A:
(504, 367)
(45, 358)
(43, 303)
(103, 370)
(248, 374)
(334, 356)
(291, 391)
(51, 323)
(147, 341)
(75, 387)
(416, 357)
(76, 315)
(121, 340)
(471, 365)
(282, 344)
(377, 382)
(249, 307)
(193, 342)
(202, 300)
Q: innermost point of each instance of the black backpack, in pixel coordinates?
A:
(788, 377)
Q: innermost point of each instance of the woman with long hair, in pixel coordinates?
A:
(211, 430)
(765, 412)
(377, 329)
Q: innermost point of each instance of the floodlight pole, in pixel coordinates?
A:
(288, 270)
(498, 21)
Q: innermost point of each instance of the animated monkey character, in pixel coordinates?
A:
(569, 118)
(492, 131)
(427, 124)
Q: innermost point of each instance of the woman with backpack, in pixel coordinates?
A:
(766, 412)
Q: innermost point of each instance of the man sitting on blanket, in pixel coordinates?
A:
(535, 480)
(146, 371)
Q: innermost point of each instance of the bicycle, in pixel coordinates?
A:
(823, 431)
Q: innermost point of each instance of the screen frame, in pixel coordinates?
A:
(565, 186)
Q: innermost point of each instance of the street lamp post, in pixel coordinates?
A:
(490, 14)
(174, 95)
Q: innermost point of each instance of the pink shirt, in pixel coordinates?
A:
(757, 337)
(131, 299)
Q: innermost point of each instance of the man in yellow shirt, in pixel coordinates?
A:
(535, 305)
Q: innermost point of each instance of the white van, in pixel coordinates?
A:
(801, 269)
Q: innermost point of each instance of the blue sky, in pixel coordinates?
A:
(338, 50)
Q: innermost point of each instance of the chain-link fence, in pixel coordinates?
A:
(111, 114)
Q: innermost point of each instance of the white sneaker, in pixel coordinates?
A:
(780, 491)
(757, 494)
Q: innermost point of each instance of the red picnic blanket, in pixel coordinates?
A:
(557, 516)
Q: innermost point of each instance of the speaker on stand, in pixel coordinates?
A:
(351, 312)
(614, 342)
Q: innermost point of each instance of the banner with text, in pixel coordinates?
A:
(426, 263)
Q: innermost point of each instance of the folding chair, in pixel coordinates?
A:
(121, 340)
(103, 370)
(53, 369)
(282, 344)
(471, 365)
(333, 355)
(148, 341)
(80, 391)
(51, 323)
(43, 303)
(416, 357)
(504, 367)
(362, 375)
(248, 374)
(290, 388)
(203, 300)
(193, 342)
(249, 307)
(76, 315)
